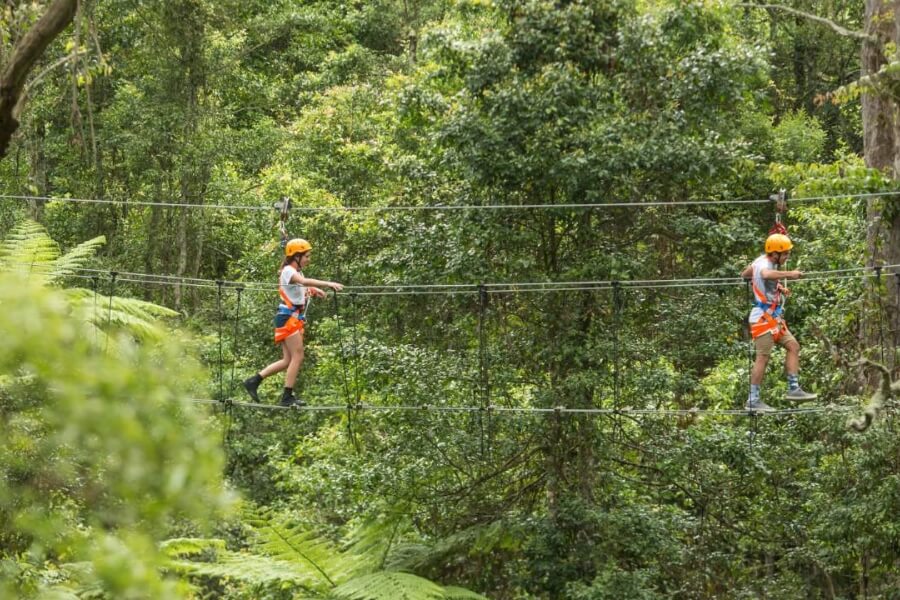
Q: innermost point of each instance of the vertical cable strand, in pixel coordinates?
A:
(219, 285)
(237, 333)
(112, 292)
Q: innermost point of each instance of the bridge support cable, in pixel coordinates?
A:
(237, 333)
(219, 320)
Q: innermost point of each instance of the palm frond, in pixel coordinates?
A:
(389, 585)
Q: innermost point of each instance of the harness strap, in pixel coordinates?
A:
(287, 302)
(772, 309)
(766, 324)
(294, 310)
(761, 296)
(771, 319)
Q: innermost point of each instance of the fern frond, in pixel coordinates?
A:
(78, 581)
(209, 558)
(183, 547)
(28, 249)
(375, 539)
(74, 259)
(292, 543)
(138, 317)
(59, 592)
(247, 568)
(458, 593)
(483, 539)
(139, 308)
(389, 585)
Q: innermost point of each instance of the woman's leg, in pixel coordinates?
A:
(294, 356)
(279, 365)
(252, 384)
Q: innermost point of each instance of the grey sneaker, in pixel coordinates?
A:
(800, 395)
(758, 406)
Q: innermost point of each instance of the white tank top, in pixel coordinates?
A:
(769, 287)
(294, 291)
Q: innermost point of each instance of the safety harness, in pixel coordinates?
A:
(289, 317)
(771, 319)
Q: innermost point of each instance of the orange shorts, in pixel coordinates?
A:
(284, 328)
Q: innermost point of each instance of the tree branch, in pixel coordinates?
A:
(884, 393)
(24, 55)
(859, 35)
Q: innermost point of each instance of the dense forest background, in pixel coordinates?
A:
(129, 470)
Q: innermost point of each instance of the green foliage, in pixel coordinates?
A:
(429, 102)
(99, 453)
(29, 252)
(290, 556)
(283, 540)
(798, 138)
(208, 558)
(378, 586)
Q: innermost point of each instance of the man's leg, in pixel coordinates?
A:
(792, 368)
(763, 345)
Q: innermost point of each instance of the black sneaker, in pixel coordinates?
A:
(252, 385)
(291, 401)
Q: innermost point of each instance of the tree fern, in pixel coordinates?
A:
(458, 593)
(482, 539)
(389, 584)
(138, 317)
(290, 554)
(30, 252)
(28, 249)
(210, 558)
(376, 539)
(284, 540)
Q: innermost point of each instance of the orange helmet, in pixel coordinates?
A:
(778, 242)
(296, 246)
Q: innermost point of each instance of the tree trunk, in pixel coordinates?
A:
(186, 28)
(151, 250)
(181, 247)
(881, 144)
(37, 175)
(27, 51)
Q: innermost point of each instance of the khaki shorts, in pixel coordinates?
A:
(766, 343)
